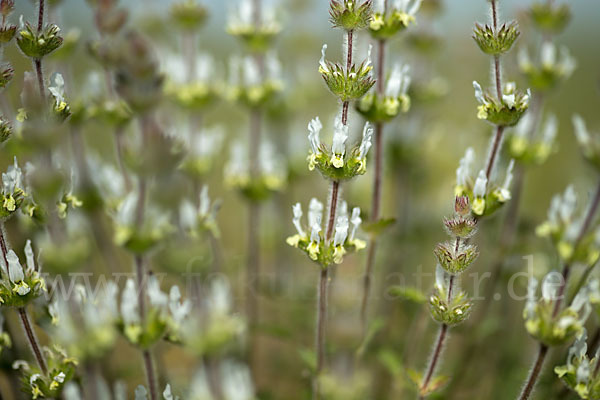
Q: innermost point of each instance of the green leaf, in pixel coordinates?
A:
(374, 327)
(390, 361)
(309, 358)
(408, 293)
(376, 228)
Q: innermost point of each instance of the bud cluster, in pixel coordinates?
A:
(19, 285)
(485, 197)
(13, 190)
(543, 323)
(563, 227)
(257, 33)
(394, 100)
(589, 143)
(251, 87)
(526, 148)
(550, 17)
(61, 369)
(197, 94)
(37, 45)
(201, 218)
(551, 70)
(448, 308)
(338, 164)
(311, 238)
(347, 84)
(496, 41)
(189, 15)
(506, 111)
(349, 14)
(270, 177)
(386, 23)
(580, 374)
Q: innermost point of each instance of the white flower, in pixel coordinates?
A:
(548, 54)
(272, 66)
(167, 395)
(523, 59)
(369, 62)
(479, 189)
(579, 348)
(314, 233)
(127, 209)
(141, 393)
(550, 285)
(567, 63)
(549, 130)
(509, 100)
(323, 68)
(366, 142)
(356, 221)
(505, 189)
(463, 172)
(199, 388)
(129, 303)
(15, 271)
(157, 297)
(583, 372)
(71, 392)
(568, 204)
(297, 210)
(57, 88)
(315, 212)
(581, 132)
(398, 82)
(314, 129)
(12, 179)
(341, 231)
(219, 297)
(179, 309)
(251, 72)
(237, 383)
(338, 147)
(478, 92)
(29, 257)
(342, 209)
(410, 7)
(60, 377)
(441, 277)
(34, 378)
(204, 207)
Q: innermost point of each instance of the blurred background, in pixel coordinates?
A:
(489, 355)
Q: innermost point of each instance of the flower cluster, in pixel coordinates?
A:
(338, 164)
(496, 41)
(394, 100)
(549, 16)
(349, 14)
(484, 196)
(86, 326)
(164, 317)
(311, 239)
(139, 239)
(60, 107)
(194, 95)
(189, 15)
(271, 176)
(347, 84)
(552, 68)
(201, 218)
(202, 150)
(526, 148)
(544, 323)
(588, 143)
(19, 285)
(563, 227)
(256, 31)
(580, 373)
(506, 111)
(386, 23)
(38, 44)
(249, 86)
(61, 369)
(13, 190)
(450, 308)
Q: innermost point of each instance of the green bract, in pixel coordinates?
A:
(6, 75)
(454, 261)
(552, 331)
(195, 96)
(528, 151)
(385, 26)
(579, 372)
(484, 205)
(5, 130)
(347, 84)
(548, 17)
(256, 95)
(376, 109)
(37, 45)
(450, 313)
(325, 162)
(145, 335)
(496, 42)
(256, 189)
(349, 15)
(323, 254)
(61, 370)
(7, 32)
(502, 112)
(188, 14)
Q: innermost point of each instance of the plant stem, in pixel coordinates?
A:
(3, 244)
(535, 372)
(149, 366)
(320, 334)
(435, 357)
(33, 341)
(40, 25)
(591, 212)
(38, 61)
(377, 189)
(335, 187)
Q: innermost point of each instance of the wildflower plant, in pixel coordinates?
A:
(386, 23)
(580, 374)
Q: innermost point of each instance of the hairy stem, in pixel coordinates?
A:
(435, 357)
(335, 188)
(33, 341)
(377, 189)
(150, 375)
(39, 71)
(320, 333)
(535, 373)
